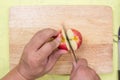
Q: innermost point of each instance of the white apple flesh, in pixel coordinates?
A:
(75, 39)
(64, 43)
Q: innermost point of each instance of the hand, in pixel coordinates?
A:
(39, 55)
(81, 71)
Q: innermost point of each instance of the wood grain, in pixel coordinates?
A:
(94, 22)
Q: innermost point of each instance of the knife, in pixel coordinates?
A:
(69, 44)
(119, 54)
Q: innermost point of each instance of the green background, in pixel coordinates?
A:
(4, 31)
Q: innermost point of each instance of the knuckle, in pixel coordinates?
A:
(49, 45)
(53, 44)
(38, 33)
(45, 33)
(26, 49)
(50, 31)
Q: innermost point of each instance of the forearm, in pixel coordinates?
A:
(13, 75)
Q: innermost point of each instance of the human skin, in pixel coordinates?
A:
(81, 71)
(40, 55)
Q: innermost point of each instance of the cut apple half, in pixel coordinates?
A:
(74, 37)
(64, 42)
(71, 39)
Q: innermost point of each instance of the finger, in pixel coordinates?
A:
(78, 67)
(82, 62)
(53, 59)
(74, 64)
(48, 48)
(74, 70)
(41, 37)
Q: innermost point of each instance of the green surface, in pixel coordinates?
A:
(4, 36)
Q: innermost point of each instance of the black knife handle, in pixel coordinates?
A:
(118, 74)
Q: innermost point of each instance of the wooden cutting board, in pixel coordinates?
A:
(94, 22)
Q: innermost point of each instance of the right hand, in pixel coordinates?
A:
(81, 71)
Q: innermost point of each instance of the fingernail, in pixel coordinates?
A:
(58, 39)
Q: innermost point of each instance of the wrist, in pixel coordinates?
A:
(22, 72)
(20, 77)
(13, 75)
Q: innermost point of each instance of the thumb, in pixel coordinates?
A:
(81, 62)
(74, 64)
(53, 59)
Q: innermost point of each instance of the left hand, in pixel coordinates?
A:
(39, 55)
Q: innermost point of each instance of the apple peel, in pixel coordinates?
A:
(75, 39)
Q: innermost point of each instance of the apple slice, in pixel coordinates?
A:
(75, 38)
(64, 43)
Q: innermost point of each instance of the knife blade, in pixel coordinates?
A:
(70, 46)
(119, 54)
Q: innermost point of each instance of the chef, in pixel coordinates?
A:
(39, 57)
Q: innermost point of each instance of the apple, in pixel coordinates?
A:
(74, 37)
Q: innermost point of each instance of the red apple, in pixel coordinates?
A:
(64, 42)
(74, 36)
